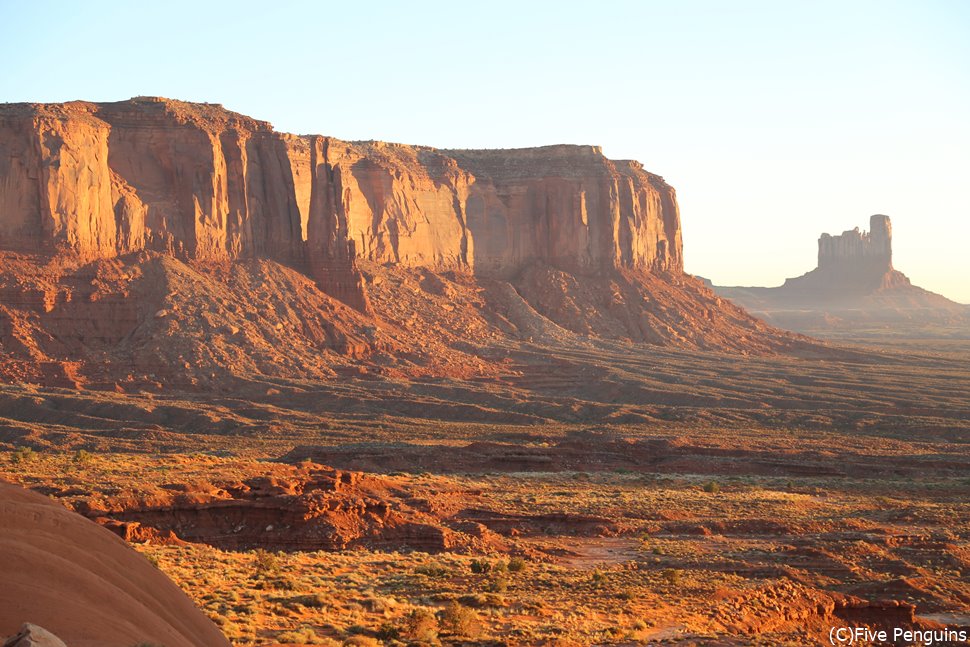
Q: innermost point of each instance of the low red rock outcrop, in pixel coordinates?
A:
(315, 509)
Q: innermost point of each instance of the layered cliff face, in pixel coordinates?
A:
(570, 207)
(104, 179)
(204, 183)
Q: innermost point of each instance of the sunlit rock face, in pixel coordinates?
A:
(201, 182)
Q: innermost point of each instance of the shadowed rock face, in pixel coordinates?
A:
(204, 183)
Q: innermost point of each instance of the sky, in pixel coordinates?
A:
(775, 121)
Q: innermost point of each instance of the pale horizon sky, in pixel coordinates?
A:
(775, 121)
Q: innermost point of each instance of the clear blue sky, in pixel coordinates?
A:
(775, 120)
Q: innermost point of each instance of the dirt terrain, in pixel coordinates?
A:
(682, 555)
(472, 461)
(662, 500)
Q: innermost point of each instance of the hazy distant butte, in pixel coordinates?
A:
(855, 279)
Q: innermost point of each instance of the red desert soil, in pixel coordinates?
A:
(84, 584)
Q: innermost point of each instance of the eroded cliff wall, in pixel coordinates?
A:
(201, 182)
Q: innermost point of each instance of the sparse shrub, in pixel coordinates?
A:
(712, 487)
(282, 584)
(312, 601)
(361, 641)
(482, 600)
(597, 578)
(24, 455)
(265, 562)
(517, 565)
(152, 559)
(498, 584)
(389, 632)
(494, 600)
(373, 604)
(431, 570)
(421, 625)
(82, 457)
(460, 621)
(315, 601)
(219, 619)
(481, 566)
(304, 636)
(672, 575)
(476, 600)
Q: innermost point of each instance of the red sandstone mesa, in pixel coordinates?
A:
(150, 240)
(205, 183)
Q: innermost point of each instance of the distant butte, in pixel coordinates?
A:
(855, 282)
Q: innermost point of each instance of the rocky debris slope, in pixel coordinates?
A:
(855, 281)
(84, 584)
(787, 606)
(151, 322)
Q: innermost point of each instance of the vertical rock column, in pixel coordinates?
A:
(55, 185)
(331, 255)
